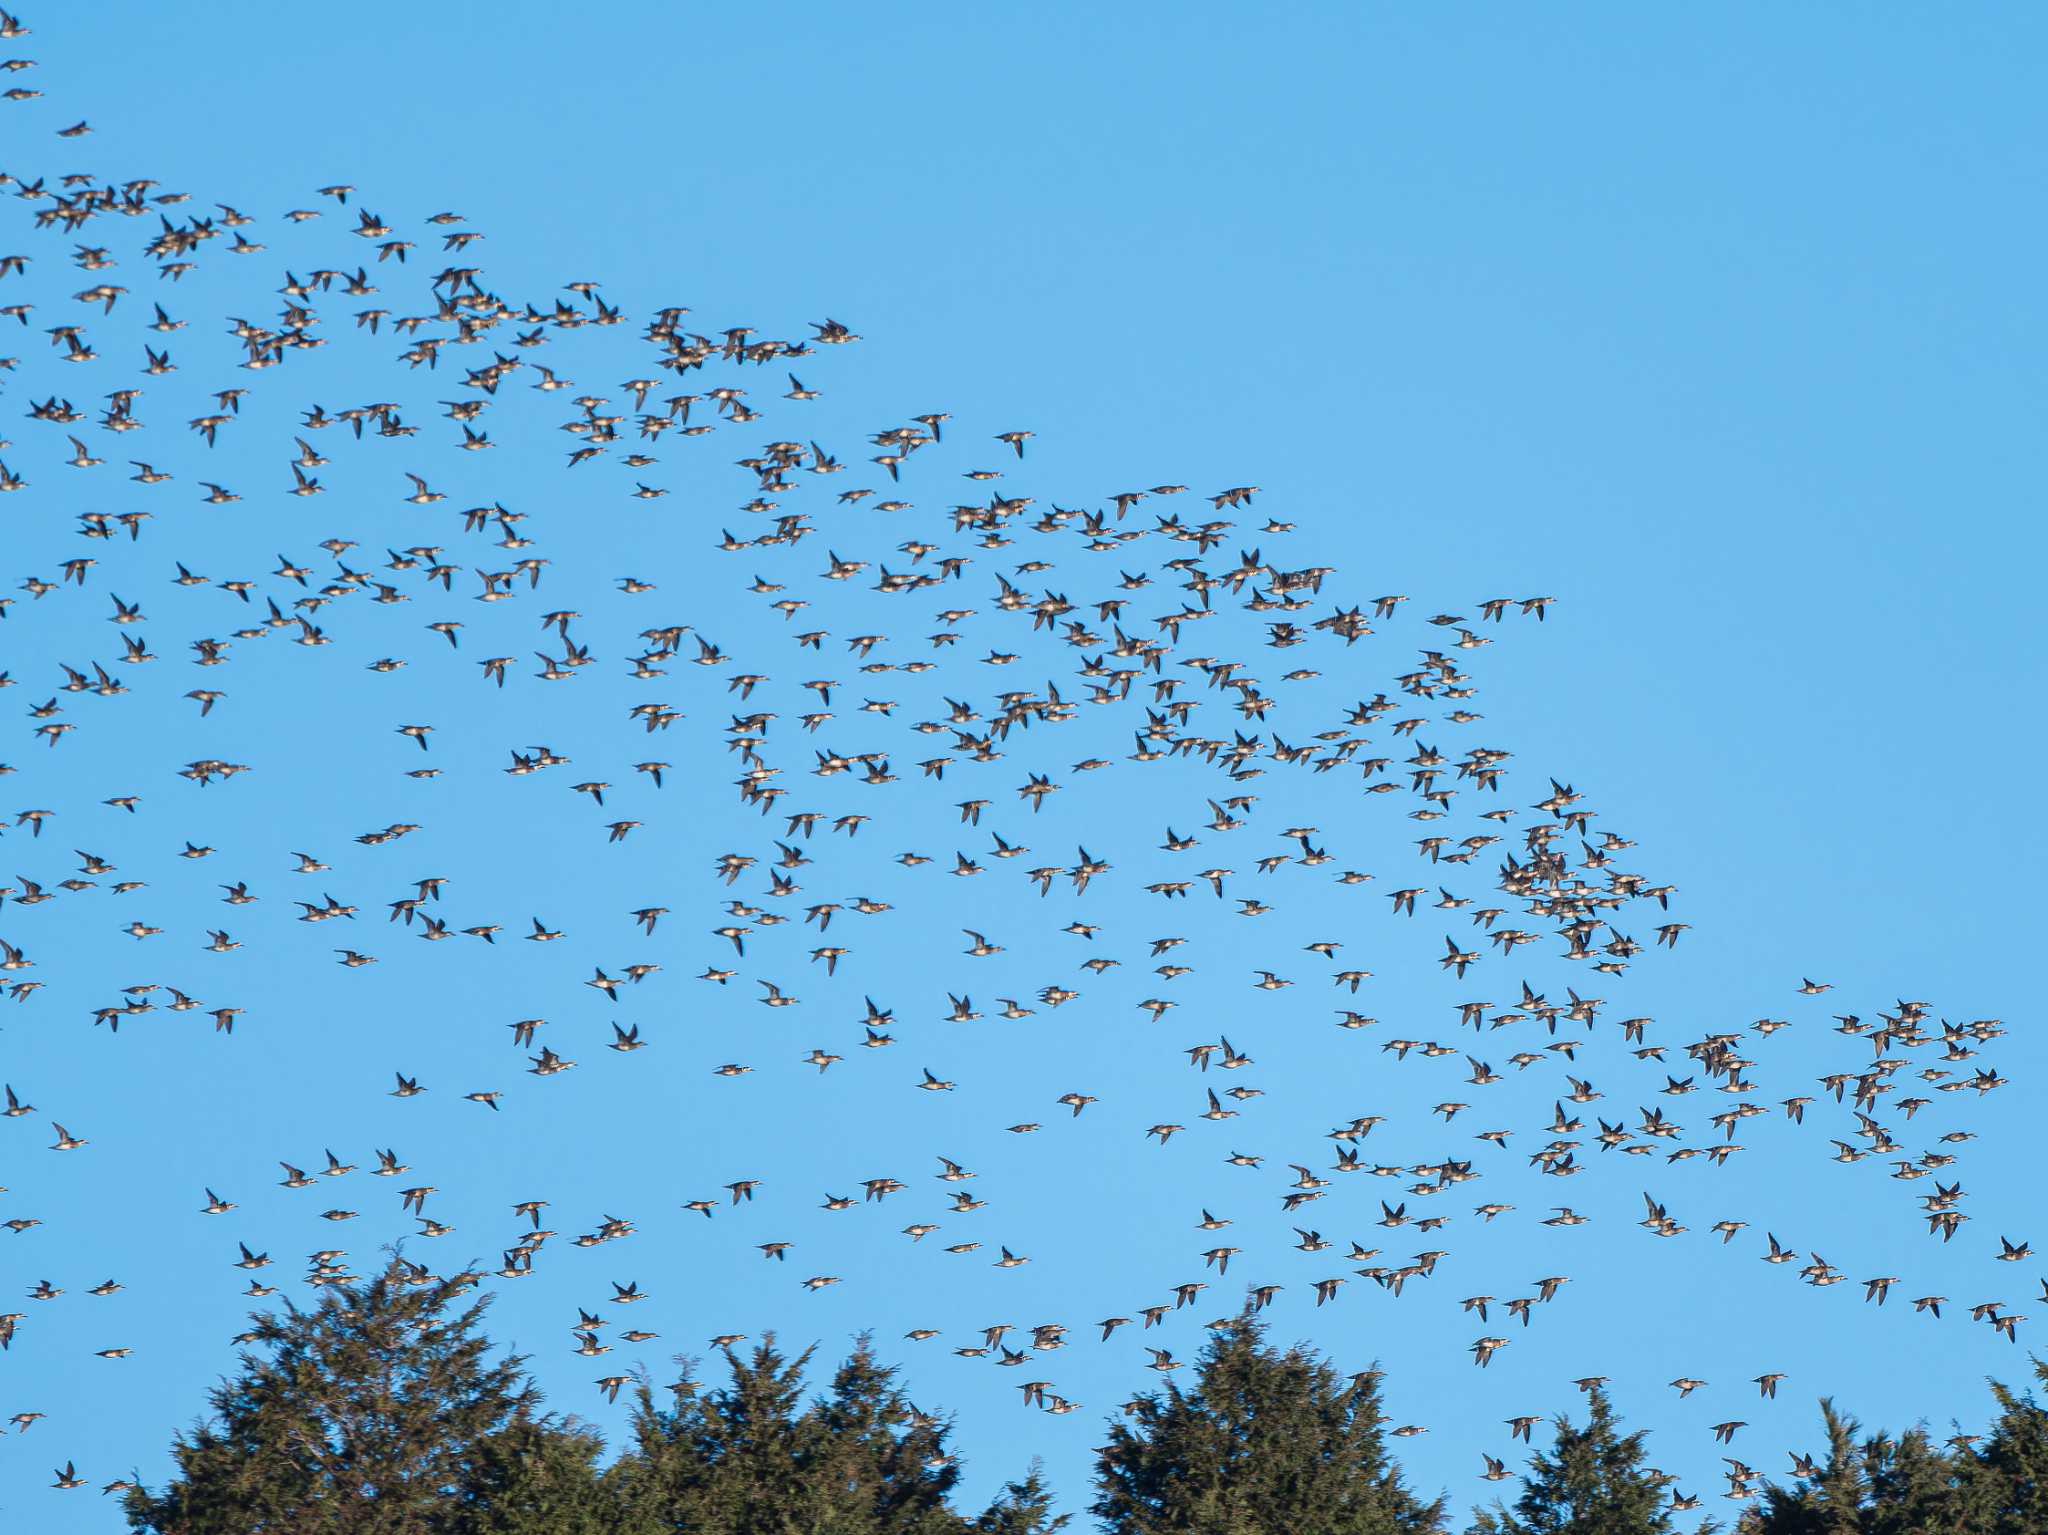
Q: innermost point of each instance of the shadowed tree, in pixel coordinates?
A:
(1829, 1496)
(2003, 1486)
(1876, 1486)
(751, 1458)
(757, 1448)
(662, 1480)
(380, 1411)
(1265, 1442)
(1023, 1508)
(1592, 1481)
(884, 1464)
(538, 1478)
(1913, 1487)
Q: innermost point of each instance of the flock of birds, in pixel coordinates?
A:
(1186, 645)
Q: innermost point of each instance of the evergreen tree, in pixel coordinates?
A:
(1828, 1497)
(1591, 1482)
(380, 1411)
(883, 1463)
(1878, 1486)
(377, 1412)
(1265, 1443)
(1914, 1489)
(751, 1458)
(2002, 1489)
(1023, 1508)
(659, 1484)
(538, 1478)
(755, 1446)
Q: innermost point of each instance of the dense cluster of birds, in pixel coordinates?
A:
(1185, 644)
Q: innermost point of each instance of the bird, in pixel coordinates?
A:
(1045, 672)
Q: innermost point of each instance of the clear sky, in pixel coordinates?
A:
(1722, 329)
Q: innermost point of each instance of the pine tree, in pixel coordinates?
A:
(377, 1412)
(1265, 1443)
(661, 1482)
(2003, 1488)
(1879, 1486)
(1023, 1508)
(758, 1446)
(883, 1462)
(1914, 1488)
(538, 1478)
(752, 1458)
(1591, 1482)
(1829, 1496)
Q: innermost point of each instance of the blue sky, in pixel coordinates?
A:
(1720, 330)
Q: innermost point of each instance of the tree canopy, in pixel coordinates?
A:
(383, 1409)
(1266, 1442)
(1591, 1481)
(378, 1411)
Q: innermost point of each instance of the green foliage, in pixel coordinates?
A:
(537, 1478)
(1879, 1485)
(1913, 1488)
(377, 1412)
(2003, 1485)
(750, 1458)
(1829, 1496)
(1025, 1508)
(1267, 1442)
(1592, 1481)
(383, 1410)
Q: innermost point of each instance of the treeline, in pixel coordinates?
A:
(384, 1410)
